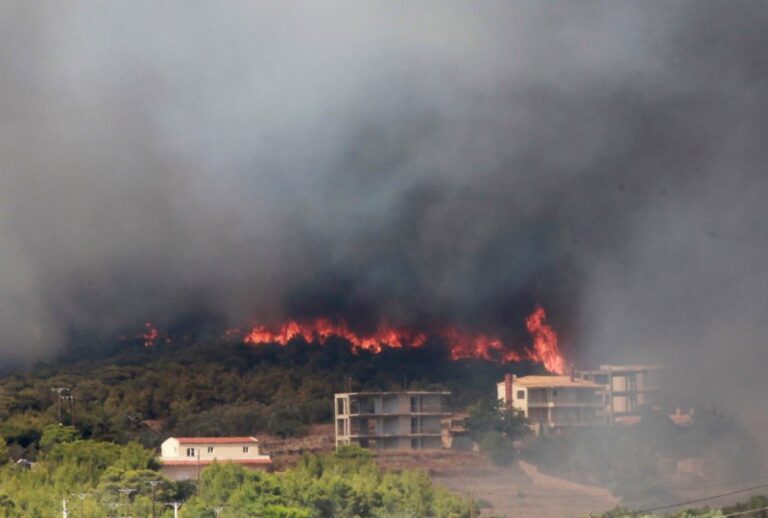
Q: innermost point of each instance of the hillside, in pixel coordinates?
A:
(219, 388)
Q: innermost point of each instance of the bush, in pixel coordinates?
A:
(498, 448)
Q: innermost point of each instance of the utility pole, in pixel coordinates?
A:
(80, 496)
(175, 506)
(59, 391)
(64, 511)
(70, 398)
(127, 491)
(217, 509)
(197, 487)
(154, 484)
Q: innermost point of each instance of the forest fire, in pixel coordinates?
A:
(545, 344)
(545, 348)
(149, 336)
(321, 329)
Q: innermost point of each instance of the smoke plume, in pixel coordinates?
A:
(419, 163)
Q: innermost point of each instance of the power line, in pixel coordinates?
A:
(646, 492)
(703, 499)
(739, 513)
(59, 391)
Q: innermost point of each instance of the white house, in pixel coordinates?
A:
(184, 457)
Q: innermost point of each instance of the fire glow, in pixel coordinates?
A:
(150, 335)
(545, 349)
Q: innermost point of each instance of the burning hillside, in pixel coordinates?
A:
(545, 349)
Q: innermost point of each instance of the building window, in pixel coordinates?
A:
(414, 404)
(245, 449)
(210, 449)
(190, 452)
(416, 444)
(554, 393)
(520, 394)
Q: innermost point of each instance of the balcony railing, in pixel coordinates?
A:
(398, 412)
(395, 434)
(565, 404)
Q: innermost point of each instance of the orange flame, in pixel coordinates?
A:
(545, 348)
(321, 329)
(149, 336)
(462, 345)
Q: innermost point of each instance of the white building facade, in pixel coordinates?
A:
(183, 458)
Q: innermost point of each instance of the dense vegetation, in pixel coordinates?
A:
(138, 396)
(496, 429)
(755, 507)
(219, 389)
(90, 475)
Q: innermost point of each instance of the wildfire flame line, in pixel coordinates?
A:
(545, 348)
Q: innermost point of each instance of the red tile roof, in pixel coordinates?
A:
(214, 440)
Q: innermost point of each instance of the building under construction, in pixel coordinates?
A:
(390, 420)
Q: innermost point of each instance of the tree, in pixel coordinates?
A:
(7, 505)
(55, 434)
(3, 451)
(495, 429)
(486, 416)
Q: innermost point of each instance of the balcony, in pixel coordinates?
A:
(399, 412)
(354, 435)
(565, 404)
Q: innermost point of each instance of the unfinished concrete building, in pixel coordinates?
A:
(390, 420)
(628, 389)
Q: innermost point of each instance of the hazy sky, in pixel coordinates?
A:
(419, 162)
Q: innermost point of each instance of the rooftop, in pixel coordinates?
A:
(215, 440)
(554, 381)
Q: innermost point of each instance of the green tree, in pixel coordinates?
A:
(486, 416)
(7, 505)
(495, 429)
(55, 434)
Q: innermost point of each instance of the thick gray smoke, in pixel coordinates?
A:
(414, 162)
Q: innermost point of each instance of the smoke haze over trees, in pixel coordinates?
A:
(420, 164)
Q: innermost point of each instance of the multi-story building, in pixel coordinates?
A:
(184, 457)
(390, 420)
(628, 389)
(553, 402)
